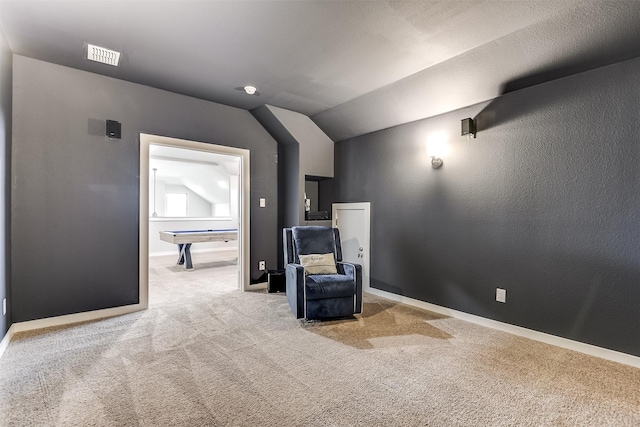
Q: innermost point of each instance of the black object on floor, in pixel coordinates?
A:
(276, 281)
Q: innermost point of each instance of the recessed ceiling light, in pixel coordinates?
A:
(103, 55)
(251, 90)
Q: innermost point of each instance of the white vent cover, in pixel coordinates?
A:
(101, 54)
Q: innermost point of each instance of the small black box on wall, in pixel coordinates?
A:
(276, 281)
(113, 129)
(468, 127)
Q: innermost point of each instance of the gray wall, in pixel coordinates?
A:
(288, 175)
(6, 62)
(543, 203)
(315, 151)
(76, 195)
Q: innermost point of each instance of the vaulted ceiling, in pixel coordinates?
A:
(353, 66)
(206, 174)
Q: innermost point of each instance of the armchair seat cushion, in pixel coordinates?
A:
(329, 286)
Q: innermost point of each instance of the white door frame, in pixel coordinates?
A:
(243, 208)
(335, 222)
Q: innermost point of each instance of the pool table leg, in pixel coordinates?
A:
(184, 256)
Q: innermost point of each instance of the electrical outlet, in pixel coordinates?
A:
(501, 295)
(4, 306)
(262, 265)
(263, 202)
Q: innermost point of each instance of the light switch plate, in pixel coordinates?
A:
(263, 202)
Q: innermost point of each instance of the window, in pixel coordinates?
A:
(176, 204)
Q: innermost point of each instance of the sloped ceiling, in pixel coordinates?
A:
(206, 174)
(352, 66)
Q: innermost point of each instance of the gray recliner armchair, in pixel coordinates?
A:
(319, 284)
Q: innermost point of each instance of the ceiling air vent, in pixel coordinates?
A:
(100, 54)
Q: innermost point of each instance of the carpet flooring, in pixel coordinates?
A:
(205, 354)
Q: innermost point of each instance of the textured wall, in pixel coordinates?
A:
(559, 46)
(543, 203)
(312, 155)
(6, 62)
(76, 196)
(316, 148)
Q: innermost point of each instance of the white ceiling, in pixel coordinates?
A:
(352, 66)
(205, 173)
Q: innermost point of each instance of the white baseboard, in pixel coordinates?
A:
(66, 320)
(592, 350)
(78, 318)
(5, 341)
(589, 349)
(257, 286)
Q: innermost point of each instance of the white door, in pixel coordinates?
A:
(353, 221)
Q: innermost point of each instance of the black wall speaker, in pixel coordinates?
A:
(113, 129)
(468, 127)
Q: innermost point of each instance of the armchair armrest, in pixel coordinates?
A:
(354, 271)
(294, 275)
(349, 269)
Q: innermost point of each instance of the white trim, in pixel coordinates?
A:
(592, 350)
(66, 319)
(143, 224)
(244, 208)
(69, 319)
(7, 339)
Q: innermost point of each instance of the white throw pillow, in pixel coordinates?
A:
(318, 263)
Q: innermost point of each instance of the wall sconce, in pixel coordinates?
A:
(468, 127)
(437, 148)
(436, 162)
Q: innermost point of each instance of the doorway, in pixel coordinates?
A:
(190, 202)
(353, 220)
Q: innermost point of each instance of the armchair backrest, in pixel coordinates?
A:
(305, 240)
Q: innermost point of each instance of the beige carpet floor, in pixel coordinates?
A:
(205, 354)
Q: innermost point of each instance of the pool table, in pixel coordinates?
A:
(185, 238)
